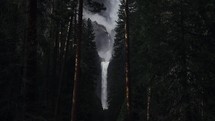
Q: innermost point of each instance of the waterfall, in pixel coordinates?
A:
(104, 24)
(104, 93)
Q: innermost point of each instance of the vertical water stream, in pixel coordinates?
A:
(104, 93)
(104, 24)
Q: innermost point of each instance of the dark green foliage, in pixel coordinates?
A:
(172, 45)
(116, 70)
(11, 35)
(16, 89)
(170, 52)
(89, 108)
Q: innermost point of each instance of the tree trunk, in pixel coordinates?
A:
(56, 51)
(64, 59)
(57, 71)
(31, 40)
(77, 63)
(202, 106)
(127, 65)
(30, 59)
(75, 27)
(21, 112)
(148, 104)
(185, 70)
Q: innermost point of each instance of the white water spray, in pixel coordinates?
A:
(104, 96)
(105, 42)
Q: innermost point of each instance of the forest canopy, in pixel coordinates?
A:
(162, 65)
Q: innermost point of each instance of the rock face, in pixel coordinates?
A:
(104, 41)
(102, 37)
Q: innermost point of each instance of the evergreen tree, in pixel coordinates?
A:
(89, 104)
(116, 69)
(172, 58)
(77, 63)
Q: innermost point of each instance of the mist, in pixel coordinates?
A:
(104, 24)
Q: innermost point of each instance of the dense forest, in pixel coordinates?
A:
(162, 66)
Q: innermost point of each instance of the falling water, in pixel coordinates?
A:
(104, 25)
(104, 96)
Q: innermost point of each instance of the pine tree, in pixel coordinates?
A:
(127, 61)
(116, 69)
(77, 63)
(89, 104)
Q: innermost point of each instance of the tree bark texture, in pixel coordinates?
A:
(77, 63)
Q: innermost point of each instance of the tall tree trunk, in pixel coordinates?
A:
(30, 59)
(57, 71)
(75, 26)
(64, 59)
(56, 51)
(77, 63)
(127, 65)
(21, 112)
(31, 41)
(185, 70)
(148, 103)
(202, 106)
